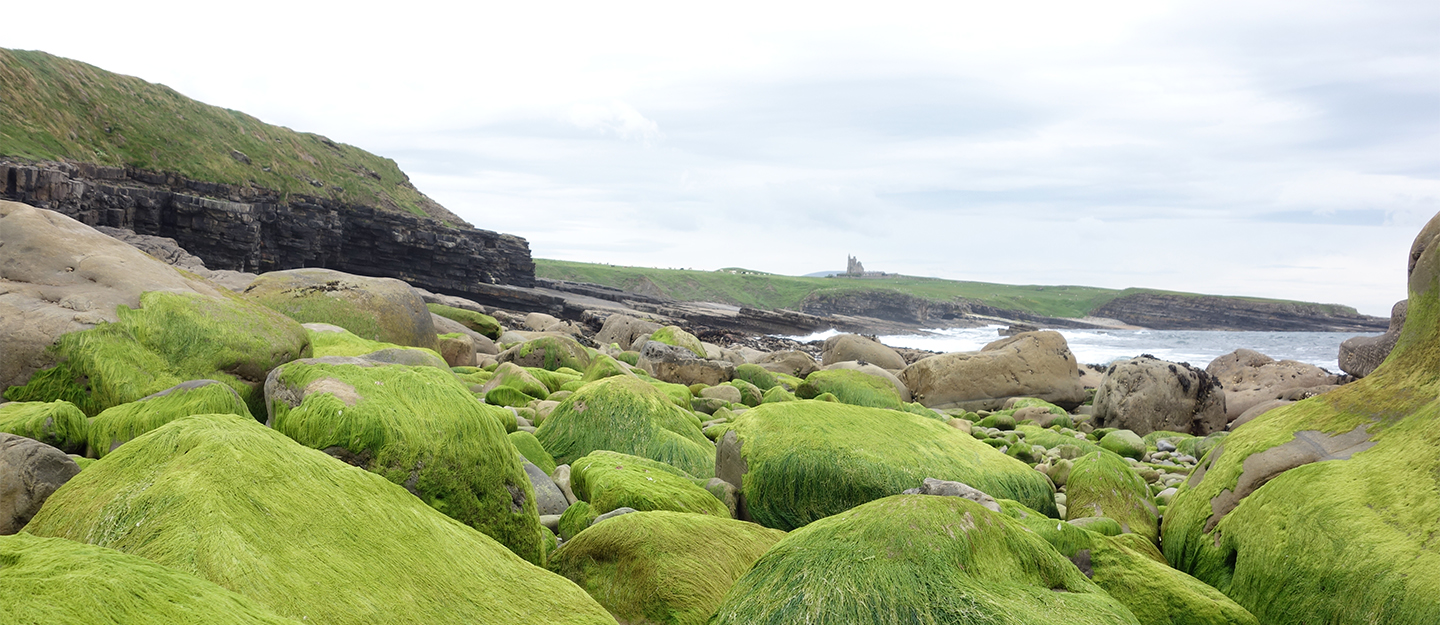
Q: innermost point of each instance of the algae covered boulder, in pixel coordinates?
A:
(851, 387)
(609, 480)
(171, 338)
(113, 427)
(631, 416)
(548, 352)
(231, 501)
(678, 337)
(798, 462)
(662, 567)
(475, 321)
(916, 559)
(1325, 511)
(1102, 485)
(56, 423)
(379, 309)
(418, 427)
(53, 580)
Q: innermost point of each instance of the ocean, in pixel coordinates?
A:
(1104, 346)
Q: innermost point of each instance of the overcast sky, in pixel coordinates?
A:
(1273, 149)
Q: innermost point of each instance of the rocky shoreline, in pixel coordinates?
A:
(314, 445)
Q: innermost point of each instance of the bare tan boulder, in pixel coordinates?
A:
(848, 347)
(1030, 364)
(789, 362)
(1146, 394)
(379, 309)
(1250, 377)
(29, 471)
(1361, 354)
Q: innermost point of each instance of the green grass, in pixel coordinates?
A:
(421, 428)
(115, 426)
(229, 500)
(345, 343)
(662, 567)
(1335, 541)
(772, 291)
(608, 480)
(56, 108)
(630, 416)
(58, 424)
(63, 582)
(917, 559)
(811, 459)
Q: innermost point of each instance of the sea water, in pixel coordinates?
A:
(1104, 346)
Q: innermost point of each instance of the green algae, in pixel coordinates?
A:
(662, 567)
(757, 375)
(229, 500)
(576, 518)
(530, 448)
(171, 338)
(63, 582)
(916, 559)
(609, 480)
(550, 352)
(1103, 485)
(678, 337)
(554, 381)
(778, 394)
(603, 366)
(421, 428)
(1051, 439)
(750, 395)
(851, 387)
(630, 416)
(479, 322)
(507, 396)
(58, 424)
(347, 343)
(114, 426)
(808, 460)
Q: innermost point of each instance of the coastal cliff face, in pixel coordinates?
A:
(1163, 311)
(247, 228)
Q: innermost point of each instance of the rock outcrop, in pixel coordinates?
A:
(1361, 354)
(1167, 311)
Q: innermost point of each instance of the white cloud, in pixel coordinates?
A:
(614, 118)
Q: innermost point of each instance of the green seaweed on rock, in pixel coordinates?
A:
(114, 426)
(58, 424)
(630, 416)
(610, 480)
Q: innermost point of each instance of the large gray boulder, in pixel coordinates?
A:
(1250, 377)
(1361, 354)
(789, 362)
(623, 330)
(1146, 394)
(1030, 364)
(679, 365)
(379, 309)
(848, 347)
(29, 471)
(58, 276)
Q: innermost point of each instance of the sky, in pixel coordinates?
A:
(1271, 149)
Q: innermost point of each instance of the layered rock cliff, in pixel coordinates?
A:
(247, 228)
(1165, 311)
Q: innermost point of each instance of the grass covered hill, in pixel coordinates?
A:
(744, 287)
(54, 109)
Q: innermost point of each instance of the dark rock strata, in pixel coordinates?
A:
(1163, 311)
(255, 230)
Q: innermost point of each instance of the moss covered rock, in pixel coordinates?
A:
(229, 500)
(171, 338)
(379, 309)
(851, 387)
(797, 462)
(548, 352)
(630, 416)
(609, 480)
(662, 567)
(58, 423)
(113, 427)
(420, 428)
(53, 580)
(1103, 485)
(1124, 443)
(678, 337)
(530, 448)
(479, 322)
(757, 375)
(576, 519)
(916, 559)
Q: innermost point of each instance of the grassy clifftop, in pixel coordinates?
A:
(53, 108)
(743, 287)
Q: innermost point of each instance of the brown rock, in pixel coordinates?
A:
(1250, 378)
(848, 347)
(1360, 355)
(1146, 394)
(29, 471)
(1031, 364)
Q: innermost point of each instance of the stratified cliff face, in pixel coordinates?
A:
(246, 228)
(1163, 311)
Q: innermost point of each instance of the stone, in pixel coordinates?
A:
(561, 476)
(789, 362)
(874, 370)
(678, 365)
(378, 309)
(612, 514)
(853, 347)
(1256, 410)
(540, 321)
(1250, 378)
(945, 488)
(29, 472)
(548, 497)
(1146, 394)
(724, 392)
(1032, 364)
(622, 330)
(457, 349)
(547, 352)
(1360, 355)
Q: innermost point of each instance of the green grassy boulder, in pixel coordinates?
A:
(851, 387)
(530, 448)
(1103, 485)
(548, 352)
(576, 519)
(630, 416)
(113, 427)
(662, 567)
(418, 427)
(916, 559)
(53, 580)
(757, 375)
(798, 462)
(1327, 510)
(479, 322)
(1135, 574)
(1124, 443)
(610, 480)
(58, 424)
(231, 501)
(379, 309)
(171, 338)
(675, 335)
(332, 340)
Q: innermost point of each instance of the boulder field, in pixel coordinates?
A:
(314, 446)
